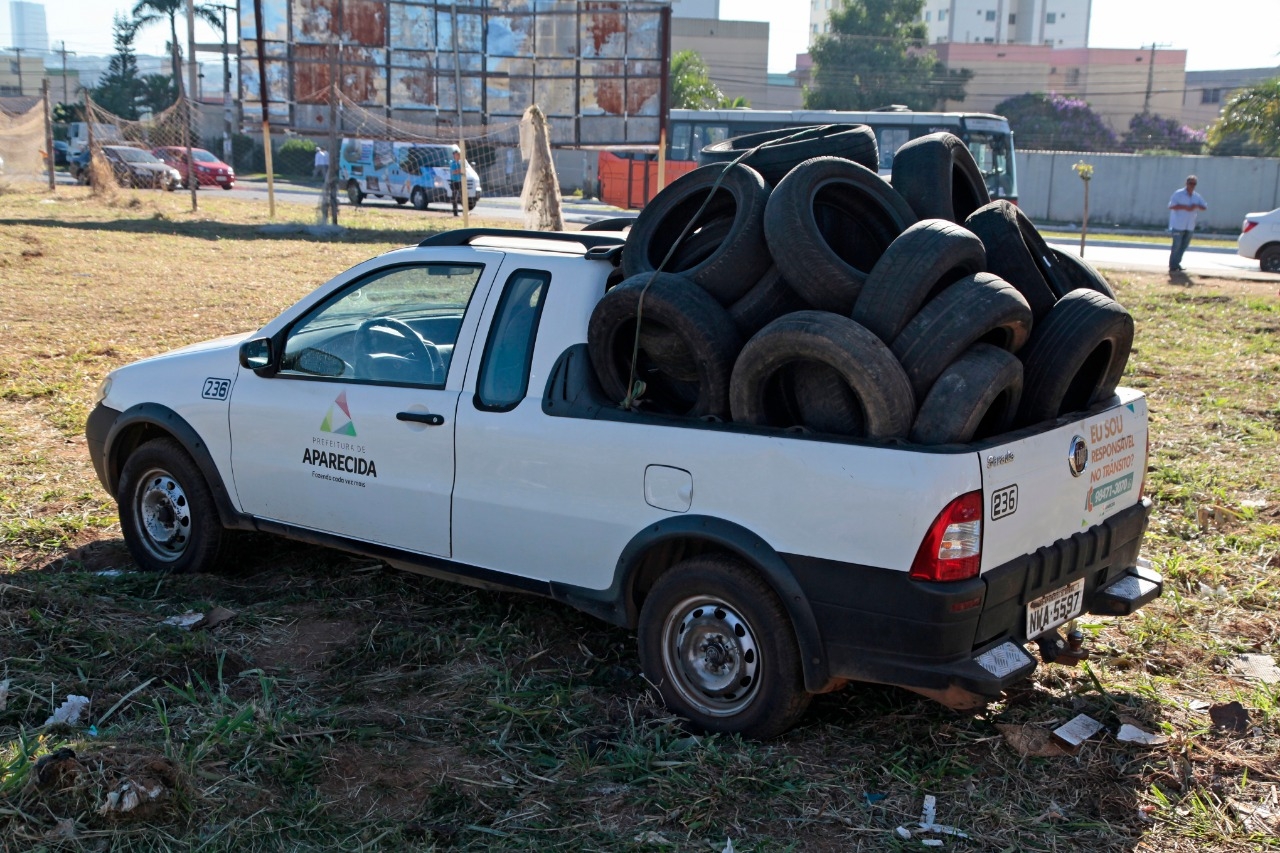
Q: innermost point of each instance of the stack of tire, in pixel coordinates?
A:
(796, 288)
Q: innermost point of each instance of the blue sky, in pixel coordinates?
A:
(1224, 34)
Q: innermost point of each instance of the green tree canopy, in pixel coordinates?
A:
(691, 85)
(157, 92)
(875, 55)
(1056, 123)
(146, 12)
(1252, 114)
(120, 87)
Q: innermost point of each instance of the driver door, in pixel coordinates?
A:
(354, 435)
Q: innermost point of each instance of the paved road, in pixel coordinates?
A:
(1154, 257)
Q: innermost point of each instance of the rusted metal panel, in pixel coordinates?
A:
(359, 22)
(361, 73)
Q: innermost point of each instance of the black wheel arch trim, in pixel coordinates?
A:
(618, 603)
(168, 421)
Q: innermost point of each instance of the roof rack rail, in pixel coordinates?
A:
(465, 237)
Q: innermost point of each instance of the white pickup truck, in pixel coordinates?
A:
(434, 407)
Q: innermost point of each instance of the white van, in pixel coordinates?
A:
(103, 134)
(403, 171)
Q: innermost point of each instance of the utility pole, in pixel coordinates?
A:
(65, 52)
(22, 90)
(1151, 74)
(264, 95)
(193, 106)
(226, 87)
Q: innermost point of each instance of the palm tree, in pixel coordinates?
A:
(153, 11)
(1253, 112)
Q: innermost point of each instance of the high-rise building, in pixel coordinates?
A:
(26, 22)
(1059, 23)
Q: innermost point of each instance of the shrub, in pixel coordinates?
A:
(295, 157)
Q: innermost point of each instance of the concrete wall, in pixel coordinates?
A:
(1133, 190)
(736, 53)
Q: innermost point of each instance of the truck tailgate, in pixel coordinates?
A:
(1048, 486)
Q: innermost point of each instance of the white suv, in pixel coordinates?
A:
(1260, 239)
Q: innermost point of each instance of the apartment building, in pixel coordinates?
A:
(1059, 23)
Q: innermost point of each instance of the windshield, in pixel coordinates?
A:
(995, 160)
(135, 155)
(420, 157)
(202, 156)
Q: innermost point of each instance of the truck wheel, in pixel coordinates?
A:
(855, 142)
(939, 178)
(927, 258)
(1080, 273)
(401, 201)
(976, 397)
(1075, 356)
(1269, 259)
(354, 194)
(728, 271)
(167, 513)
(976, 308)
(419, 198)
(1018, 254)
(827, 223)
(719, 648)
(770, 375)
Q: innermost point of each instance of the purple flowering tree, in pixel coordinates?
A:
(1151, 132)
(1054, 122)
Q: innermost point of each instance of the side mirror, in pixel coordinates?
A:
(258, 355)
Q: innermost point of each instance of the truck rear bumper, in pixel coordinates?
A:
(878, 625)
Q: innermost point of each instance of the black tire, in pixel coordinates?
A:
(1017, 253)
(167, 513)
(400, 201)
(354, 194)
(976, 397)
(739, 260)
(827, 224)
(718, 646)
(767, 300)
(1080, 273)
(855, 142)
(929, 257)
(939, 178)
(767, 391)
(419, 198)
(703, 242)
(1075, 357)
(472, 201)
(672, 304)
(977, 308)
(1269, 259)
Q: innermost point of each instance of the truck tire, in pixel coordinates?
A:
(768, 299)
(1080, 273)
(977, 308)
(419, 198)
(1075, 356)
(939, 178)
(674, 305)
(717, 646)
(855, 142)
(354, 193)
(1017, 253)
(167, 514)
(740, 258)
(976, 397)
(764, 388)
(926, 259)
(827, 224)
(701, 244)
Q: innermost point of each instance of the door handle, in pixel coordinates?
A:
(421, 418)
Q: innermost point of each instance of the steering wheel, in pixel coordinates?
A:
(400, 355)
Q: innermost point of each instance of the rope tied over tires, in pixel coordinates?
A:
(635, 386)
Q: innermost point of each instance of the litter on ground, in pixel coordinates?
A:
(69, 711)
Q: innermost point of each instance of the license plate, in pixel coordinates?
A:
(1052, 609)
(222, 178)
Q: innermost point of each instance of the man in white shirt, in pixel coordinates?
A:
(1184, 205)
(320, 166)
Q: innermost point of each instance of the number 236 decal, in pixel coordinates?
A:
(1004, 502)
(216, 389)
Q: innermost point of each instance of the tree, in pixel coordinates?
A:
(1252, 113)
(146, 12)
(691, 86)
(157, 92)
(1056, 123)
(120, 87)
(1151, 132)
(875, 55)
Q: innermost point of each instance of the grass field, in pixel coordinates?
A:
(347, 706)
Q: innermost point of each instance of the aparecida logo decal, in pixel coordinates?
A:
(340, 427)
(335, 455)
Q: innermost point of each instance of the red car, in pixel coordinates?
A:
(210, 171)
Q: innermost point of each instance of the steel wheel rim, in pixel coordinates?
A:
(1271, 263)
(710, 652)
(162, 515)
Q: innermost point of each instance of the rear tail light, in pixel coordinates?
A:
(952, 549)
(1248, 226)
